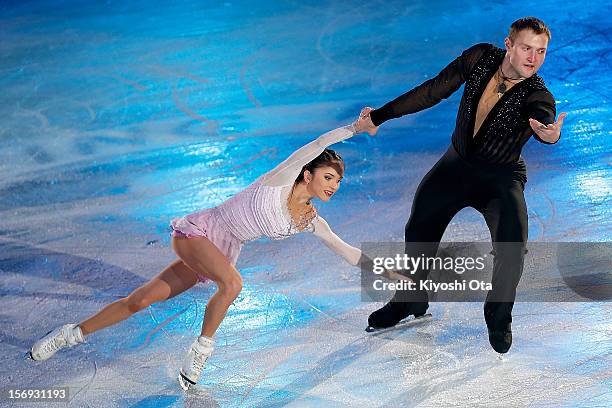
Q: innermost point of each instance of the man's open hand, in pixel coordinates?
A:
(548, 133)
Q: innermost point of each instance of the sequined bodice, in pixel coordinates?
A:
(259, 210)
(505, 129)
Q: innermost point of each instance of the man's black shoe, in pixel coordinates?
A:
(393, 312)
(501, 340)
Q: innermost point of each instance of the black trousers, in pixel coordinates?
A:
(497, 192)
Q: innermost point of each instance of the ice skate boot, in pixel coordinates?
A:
(400, 307)
(193, 364)
(501, 340)
(498, 316)
(66, 336)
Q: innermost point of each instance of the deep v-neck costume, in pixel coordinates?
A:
(491, 95)
(483, 170)
(505, 129)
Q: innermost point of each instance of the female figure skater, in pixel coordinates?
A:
(277, 205)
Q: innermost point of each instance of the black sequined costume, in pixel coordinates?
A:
(484, 171)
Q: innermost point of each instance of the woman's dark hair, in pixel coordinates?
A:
(327, 158)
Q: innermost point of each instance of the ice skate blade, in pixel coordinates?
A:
(184, 382)
(402, 324)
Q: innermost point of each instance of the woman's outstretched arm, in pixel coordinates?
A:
(287, 171)
(323, 231)
(352, 255)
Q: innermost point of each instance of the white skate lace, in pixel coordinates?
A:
(53, 345)
(66, 337)
(198, 362)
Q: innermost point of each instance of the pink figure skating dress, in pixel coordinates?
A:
(261, 208)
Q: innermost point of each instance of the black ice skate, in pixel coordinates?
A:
(394, 312)
(501, 340)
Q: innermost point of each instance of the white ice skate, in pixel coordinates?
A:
(194, 362)
(66, 336)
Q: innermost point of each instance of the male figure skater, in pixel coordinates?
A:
(504, 102)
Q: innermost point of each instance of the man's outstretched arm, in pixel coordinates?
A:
(433, 90)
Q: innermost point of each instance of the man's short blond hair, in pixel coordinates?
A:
(528, 23)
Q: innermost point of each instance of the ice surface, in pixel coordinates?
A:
(118, 116)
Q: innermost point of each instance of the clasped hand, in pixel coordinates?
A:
(364, 122)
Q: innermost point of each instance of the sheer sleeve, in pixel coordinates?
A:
(287, 171)
(322, 231)
(432, 91)
(541, 107)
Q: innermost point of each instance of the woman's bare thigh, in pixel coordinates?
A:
(173, 280)
(201, 255)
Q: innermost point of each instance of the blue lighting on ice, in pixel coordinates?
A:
(118, 116)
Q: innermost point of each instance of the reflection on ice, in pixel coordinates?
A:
(117, 118)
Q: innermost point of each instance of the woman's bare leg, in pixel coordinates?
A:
(173, 280)
(204, 257)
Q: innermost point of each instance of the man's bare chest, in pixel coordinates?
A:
(487, 100)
